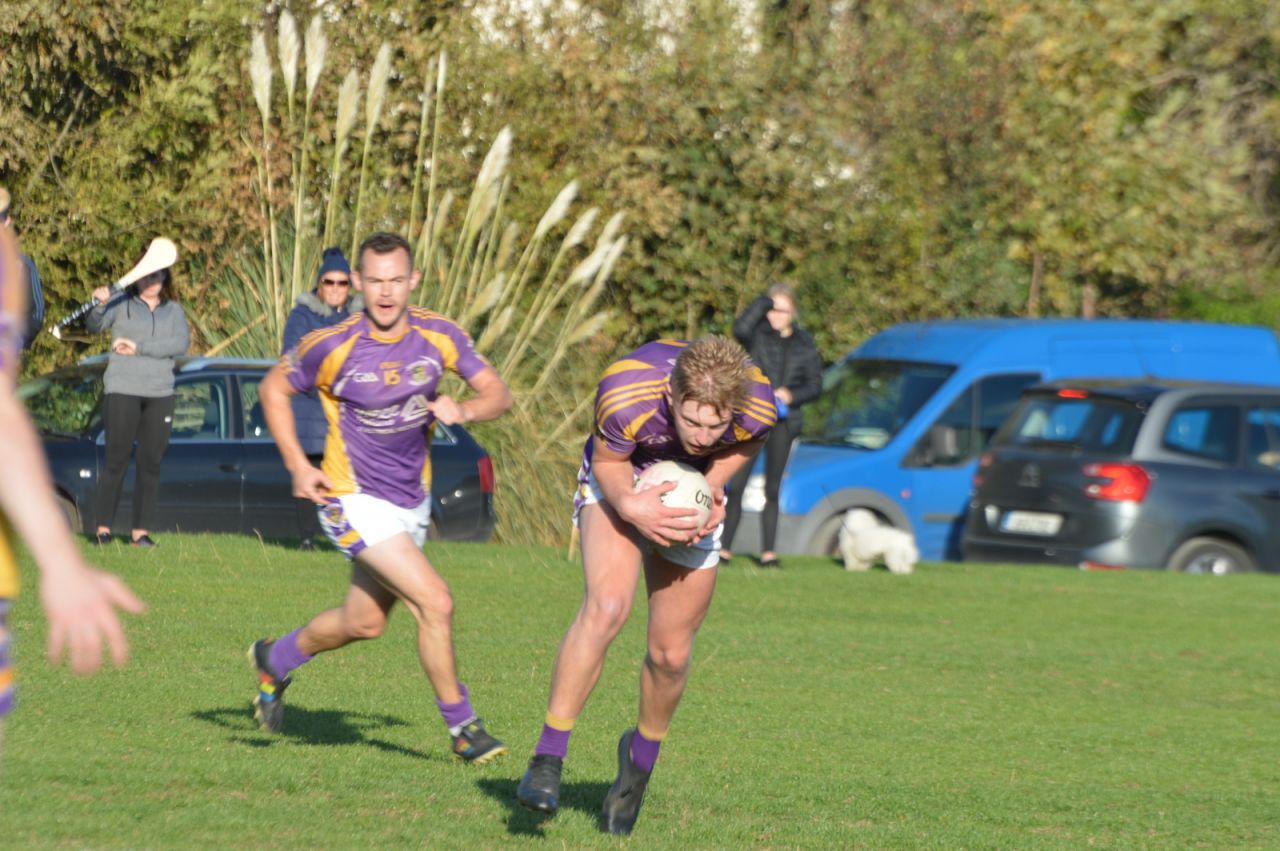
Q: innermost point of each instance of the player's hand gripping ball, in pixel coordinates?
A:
(691, 490)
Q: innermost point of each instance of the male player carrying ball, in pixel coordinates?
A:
(702, 403)
(377, 374)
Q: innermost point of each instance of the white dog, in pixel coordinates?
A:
(864, 541)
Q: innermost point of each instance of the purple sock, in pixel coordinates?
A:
(553, 742)
(644, 751)
(285, 656)
(457, 714)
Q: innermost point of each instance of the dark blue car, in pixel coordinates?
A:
(222, 471)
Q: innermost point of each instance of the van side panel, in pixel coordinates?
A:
(821, 480)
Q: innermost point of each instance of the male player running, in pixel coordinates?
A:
(702, 403)
(377, 374)
(79, 601)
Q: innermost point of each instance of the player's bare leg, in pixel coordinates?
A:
(678, 602)
(402, 568)
(611, 560)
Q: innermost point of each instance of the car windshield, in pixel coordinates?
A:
(64, 403)
(1096, 425)
(865, 402)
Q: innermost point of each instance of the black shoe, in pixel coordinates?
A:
(771, 563)
(307, 545)
(622, 804)
(474, 745)
(540, 787)
(102, 539)
(143, 541)
(268, 703)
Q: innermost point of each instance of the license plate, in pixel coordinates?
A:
(1031, 523)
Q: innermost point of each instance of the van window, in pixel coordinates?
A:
(966, 428)
(865, 402)
(1209, 431)
(1097, 425)
(1263, 435)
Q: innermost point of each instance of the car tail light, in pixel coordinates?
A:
(486, 474)
(984, 461)
(1117, 482)
(1072, 393)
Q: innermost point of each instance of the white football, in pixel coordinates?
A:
(691, 490)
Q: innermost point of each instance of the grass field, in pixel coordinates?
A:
(965, 706)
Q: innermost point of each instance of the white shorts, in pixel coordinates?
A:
(358, 520)
(705, 553)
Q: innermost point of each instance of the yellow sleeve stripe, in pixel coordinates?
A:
(444, 344)
(741, 433)
(627, 389)
(771, 420)
(603, 413)
(760, 409)
(624, 365)
(634, 426)
(333, 362)
(309, 342)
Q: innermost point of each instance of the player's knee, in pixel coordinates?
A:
(365, 627)
(434, 604)
(671, 660)
(604, 617)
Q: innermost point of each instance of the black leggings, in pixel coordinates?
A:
(776, 449)
(128, 418)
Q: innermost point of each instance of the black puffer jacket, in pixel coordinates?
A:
(792, 362)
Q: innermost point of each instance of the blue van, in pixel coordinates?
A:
(904, 417)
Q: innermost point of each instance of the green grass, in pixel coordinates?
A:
(966, 706)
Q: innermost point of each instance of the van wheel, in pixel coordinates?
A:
(1212, 556)
(827, 539)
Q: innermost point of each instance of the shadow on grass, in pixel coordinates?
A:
(587, 797)
(310, 727)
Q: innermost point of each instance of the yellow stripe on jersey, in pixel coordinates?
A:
(444, 343)
(337, 463)
(624, 365)
(757, 410)
(741, 434)
(603, 414)
(8, 563)
(629, 431)
(758, 376)
(309, 341)
(6, 679)
(611, 396)
(332, 363)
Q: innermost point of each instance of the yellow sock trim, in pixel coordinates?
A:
(653, 737)
(564, 725)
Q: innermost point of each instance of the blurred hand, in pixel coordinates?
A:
(124, 346)
(101, 294)
(80, 604)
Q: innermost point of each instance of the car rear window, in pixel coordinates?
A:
(1096, 425)
(1207, 431)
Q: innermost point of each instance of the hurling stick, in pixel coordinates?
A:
(160, 255)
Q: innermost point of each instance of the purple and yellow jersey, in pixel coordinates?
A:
(13, 313)
(374, 391)
(634, 416)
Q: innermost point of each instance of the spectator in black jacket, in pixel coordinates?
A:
(789, 359)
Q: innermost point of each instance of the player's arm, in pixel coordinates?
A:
(274, 393)
(645, 510)
(492, 399)
(79, 601)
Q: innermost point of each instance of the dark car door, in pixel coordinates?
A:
(269, 507)
(200, 478)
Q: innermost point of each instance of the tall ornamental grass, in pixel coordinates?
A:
(530, 297)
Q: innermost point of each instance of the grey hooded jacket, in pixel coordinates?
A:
(161, 335)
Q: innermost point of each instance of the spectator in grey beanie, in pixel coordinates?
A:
(328, 304)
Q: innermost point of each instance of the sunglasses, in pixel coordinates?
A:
(330, 282)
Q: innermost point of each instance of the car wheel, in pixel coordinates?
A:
(70, 514)
(827, 540)
(1210, 555)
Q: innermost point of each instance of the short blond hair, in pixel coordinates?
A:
(713, 371)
